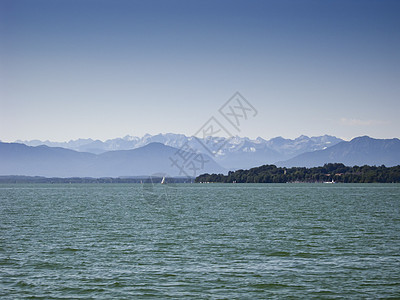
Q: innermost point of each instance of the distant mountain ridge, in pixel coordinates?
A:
(20, 159)
(156, 157)
(238, 152)
(359, 151)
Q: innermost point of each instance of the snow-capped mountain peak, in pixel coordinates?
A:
(235, 152)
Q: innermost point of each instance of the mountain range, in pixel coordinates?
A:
(168, 153)
(154, 158)
(237, 152)
(359, 151)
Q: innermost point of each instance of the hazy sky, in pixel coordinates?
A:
(103, 69)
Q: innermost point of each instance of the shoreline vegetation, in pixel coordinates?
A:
(330, 173)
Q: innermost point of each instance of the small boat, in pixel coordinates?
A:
(163, 180)
(329, 181)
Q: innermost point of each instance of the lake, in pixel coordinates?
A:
(190, 241)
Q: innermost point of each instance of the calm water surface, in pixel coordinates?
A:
(210, 241)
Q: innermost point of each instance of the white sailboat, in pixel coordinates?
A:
(330, 181)
(163, 180)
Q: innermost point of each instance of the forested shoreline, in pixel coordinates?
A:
(338, 173)
(328, 173)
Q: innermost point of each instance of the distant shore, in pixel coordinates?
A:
(139, 179)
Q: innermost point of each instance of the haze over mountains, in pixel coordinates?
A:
(359, 151)
(132, 156)
(154, 158)
(237, 152)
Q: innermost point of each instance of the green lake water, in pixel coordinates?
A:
(199, 241)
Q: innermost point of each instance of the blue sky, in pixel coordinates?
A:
(103, 69)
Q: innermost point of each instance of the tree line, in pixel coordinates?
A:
(329, 172)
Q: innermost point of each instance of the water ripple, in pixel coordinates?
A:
(218, 241)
